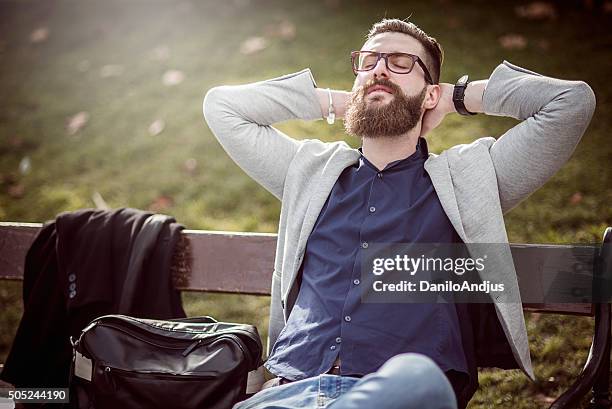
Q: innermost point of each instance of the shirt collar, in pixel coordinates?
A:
(421, 154)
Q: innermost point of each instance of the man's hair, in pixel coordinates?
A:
(434, 53)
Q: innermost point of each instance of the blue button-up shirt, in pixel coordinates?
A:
(395, 205)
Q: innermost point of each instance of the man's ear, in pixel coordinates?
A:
(432, 96)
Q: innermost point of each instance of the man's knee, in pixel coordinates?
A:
(420, 377)
(417, 362)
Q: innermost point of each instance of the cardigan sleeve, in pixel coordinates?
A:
(554, 114)
(241, 118)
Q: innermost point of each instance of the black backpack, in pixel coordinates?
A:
(129, 363)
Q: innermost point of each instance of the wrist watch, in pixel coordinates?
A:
(458, 94)
(331, 112)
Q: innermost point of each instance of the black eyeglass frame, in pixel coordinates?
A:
(415, 59)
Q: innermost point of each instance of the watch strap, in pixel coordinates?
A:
(459, 94)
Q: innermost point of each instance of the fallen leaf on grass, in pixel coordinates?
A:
(453, 22)
(157, 127)
(111, 70)
(15, 141)
(284, 30)
(513, 41)
(16, 191)
(76, 122)
(161, 53)
(544, 44)
(253, 45)
(173, 77)
(544, 399)
(576, 198)
(538, 10)
(25, 165)
(161, 203)
(191, 165)
(39, 35)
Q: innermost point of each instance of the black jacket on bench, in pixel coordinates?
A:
(74, 272)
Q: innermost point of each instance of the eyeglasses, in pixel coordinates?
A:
(399, 63)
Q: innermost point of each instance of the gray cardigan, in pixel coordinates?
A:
(476, 183)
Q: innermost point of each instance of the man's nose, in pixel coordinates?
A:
(380, 70)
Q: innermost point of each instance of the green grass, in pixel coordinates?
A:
(113, 154)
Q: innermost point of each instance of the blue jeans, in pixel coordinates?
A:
(405, 381)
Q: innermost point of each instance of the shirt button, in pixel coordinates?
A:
(364, 244)
(72, 294)
(379, 174)
(338, 340)
(347, 318)
(332, 347)
(71, 277)
(372, 209)
(72, 286)
(356, 281)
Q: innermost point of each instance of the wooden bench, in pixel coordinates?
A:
(242, 263)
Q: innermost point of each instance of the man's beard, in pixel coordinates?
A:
(373, 120)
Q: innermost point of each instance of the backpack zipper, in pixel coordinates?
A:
(109, 374)
(190, 347)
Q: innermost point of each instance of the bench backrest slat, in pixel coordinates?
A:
(243, 262)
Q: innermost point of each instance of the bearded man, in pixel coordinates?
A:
(326, 348)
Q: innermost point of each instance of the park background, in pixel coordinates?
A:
(102, 105)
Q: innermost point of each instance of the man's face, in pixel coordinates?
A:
(384, 103)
